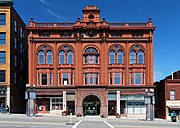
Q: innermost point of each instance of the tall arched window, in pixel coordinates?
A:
(62, 57)
(70, 57)
(111, 57)
(49, 57)
(132, 57)
(140, 57)
(41, 57)
(120, 57)
(91, 56)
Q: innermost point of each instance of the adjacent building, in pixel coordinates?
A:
(91, 66)
(13, 58)
(168, 96)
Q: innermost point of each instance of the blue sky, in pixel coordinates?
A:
(164, 13)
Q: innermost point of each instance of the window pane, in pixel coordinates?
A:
(65, 79)
(2, 57)
(61, 57)
(91, 51)
(110, 78)
(15, 60)
(91, 58)
(172, 95)
(2, 76)
(15, 25)
(120, 57)
(44, 79)
(96, 78)
(86, 59)
(91, 79)
(41, 57)
(112, 57)
(140, 57)
(2, 19)
(116, 78)
(138, 78)
(2, 38)
(70, 57)
(15, 43)
(86, 79)
(51, 79)
(49, 57)
(131, 78)
(132, 57)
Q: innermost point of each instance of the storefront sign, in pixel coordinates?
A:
(173, 103)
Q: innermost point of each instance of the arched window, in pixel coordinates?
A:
(70, 57)
(111, 57)
(132, 57)
(49, 57)
(41, 57)
(120, 57)
(62, 57)
(140, 57)
(91, 56)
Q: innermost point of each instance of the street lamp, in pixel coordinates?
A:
(30, 96)
(149, 102)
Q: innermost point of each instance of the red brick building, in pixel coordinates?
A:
(91, 66)
(168, 96)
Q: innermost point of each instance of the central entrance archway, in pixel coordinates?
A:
(91, 105)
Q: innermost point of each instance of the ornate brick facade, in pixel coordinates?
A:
(91, 57)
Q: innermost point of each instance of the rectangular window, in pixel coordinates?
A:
(172, 95)
(116, 78)
(15, 26)
(2, 57)
(44, 79)
(2, 76)
(15, 61)
(138, 78)
(96, 79)
(21, 48)
(2, 38)
(91, 59)
(57, 103)
(15, 43)
(51, 79)
(2, 19)
(110, 78)
(21, 64)
(21, 32)
(131, 78)
(59, 78)
(86, 59)
(86, 79)
(91, 78)
(15, 78)
(65, 79)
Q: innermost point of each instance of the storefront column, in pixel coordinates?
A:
(8, 97)
(118, 102)
(64, 100)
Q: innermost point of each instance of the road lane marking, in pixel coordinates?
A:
(76, 124)
(108, 124)
(29, 123)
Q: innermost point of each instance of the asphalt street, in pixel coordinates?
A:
(52, 121)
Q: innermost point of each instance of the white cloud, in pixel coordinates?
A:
(43, 1)
(52, 13)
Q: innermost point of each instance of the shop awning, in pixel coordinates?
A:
(174, 107)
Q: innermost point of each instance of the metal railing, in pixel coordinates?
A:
(53, 24)
(127, 24)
